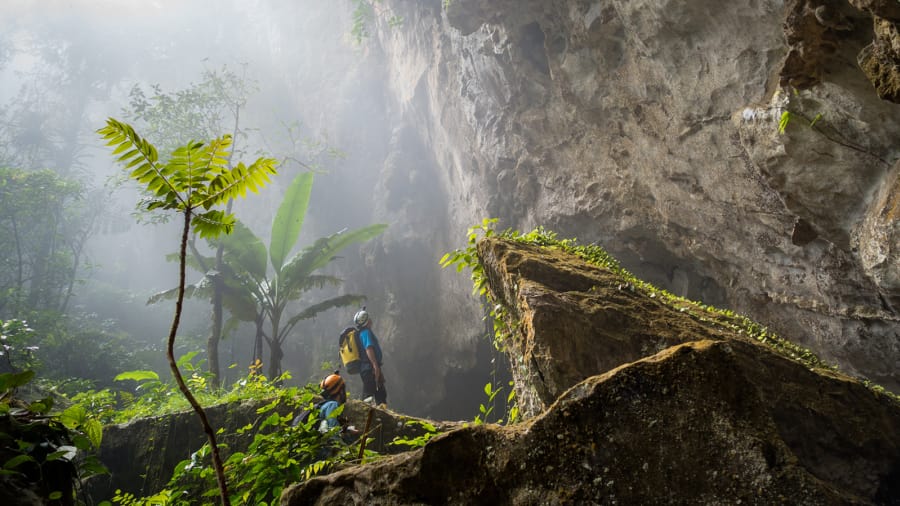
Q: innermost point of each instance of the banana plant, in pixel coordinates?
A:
(259, 282)
(194, 181)
(268, 280)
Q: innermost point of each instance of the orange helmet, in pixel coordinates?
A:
(332, 386)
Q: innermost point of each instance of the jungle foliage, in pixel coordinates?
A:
(45, 221)
(49, 446)
(46, 453)
(214, 104)
(279, 454)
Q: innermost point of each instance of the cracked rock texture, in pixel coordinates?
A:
(652, 129)
(699, 423)
(648, 127)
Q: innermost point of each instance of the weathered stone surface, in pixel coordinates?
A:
(812, 31)
(880, 60)
(650, 128)
(700, 423)
(571, 320)
(712, 418)
(888, 9)
(880, 239)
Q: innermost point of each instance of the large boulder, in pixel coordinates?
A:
(641, 398)
(706, 422)
(570, 319)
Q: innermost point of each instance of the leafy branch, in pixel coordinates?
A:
(365, 12)
(787, 116)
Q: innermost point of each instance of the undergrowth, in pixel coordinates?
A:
(154, 397)
(279, 451)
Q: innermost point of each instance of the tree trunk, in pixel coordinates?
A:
(216, 316)
(215, 333)
(258, 342)
(275, 359)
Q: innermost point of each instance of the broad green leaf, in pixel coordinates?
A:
(289, 219)
(340, 241)
(241, 297)
(187, 358)
(335, 302)
(81, 442)
(42, 406)
(137, 376)
(324, 250)
(17, 461)
(94, 431)
(194, 290)
(245, 250)
(15, 379)
(73, 416)
(64, 452)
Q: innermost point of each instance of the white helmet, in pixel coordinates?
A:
(361, 318)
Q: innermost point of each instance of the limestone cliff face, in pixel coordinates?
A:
(651, 128)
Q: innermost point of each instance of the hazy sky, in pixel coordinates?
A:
(67, 65)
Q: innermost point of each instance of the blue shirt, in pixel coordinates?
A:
(367, 339)
(325, 411)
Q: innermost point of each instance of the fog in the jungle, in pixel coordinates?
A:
(267, 71)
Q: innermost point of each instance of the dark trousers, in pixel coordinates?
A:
(370, 389)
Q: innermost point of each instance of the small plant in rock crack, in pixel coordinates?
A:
(787, 116)
(418, 441)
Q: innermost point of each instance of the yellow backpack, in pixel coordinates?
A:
(350, 349)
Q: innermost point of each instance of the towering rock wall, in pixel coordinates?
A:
(651, 128)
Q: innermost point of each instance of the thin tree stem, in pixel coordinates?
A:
(170, 355)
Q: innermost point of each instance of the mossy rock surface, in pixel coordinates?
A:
(706, 422)
(634, 397)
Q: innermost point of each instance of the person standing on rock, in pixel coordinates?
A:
(370, 371)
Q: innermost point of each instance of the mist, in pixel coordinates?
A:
(304, 90)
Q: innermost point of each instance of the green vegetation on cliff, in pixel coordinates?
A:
(591, 253)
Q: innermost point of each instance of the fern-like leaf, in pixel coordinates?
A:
(234, 183)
